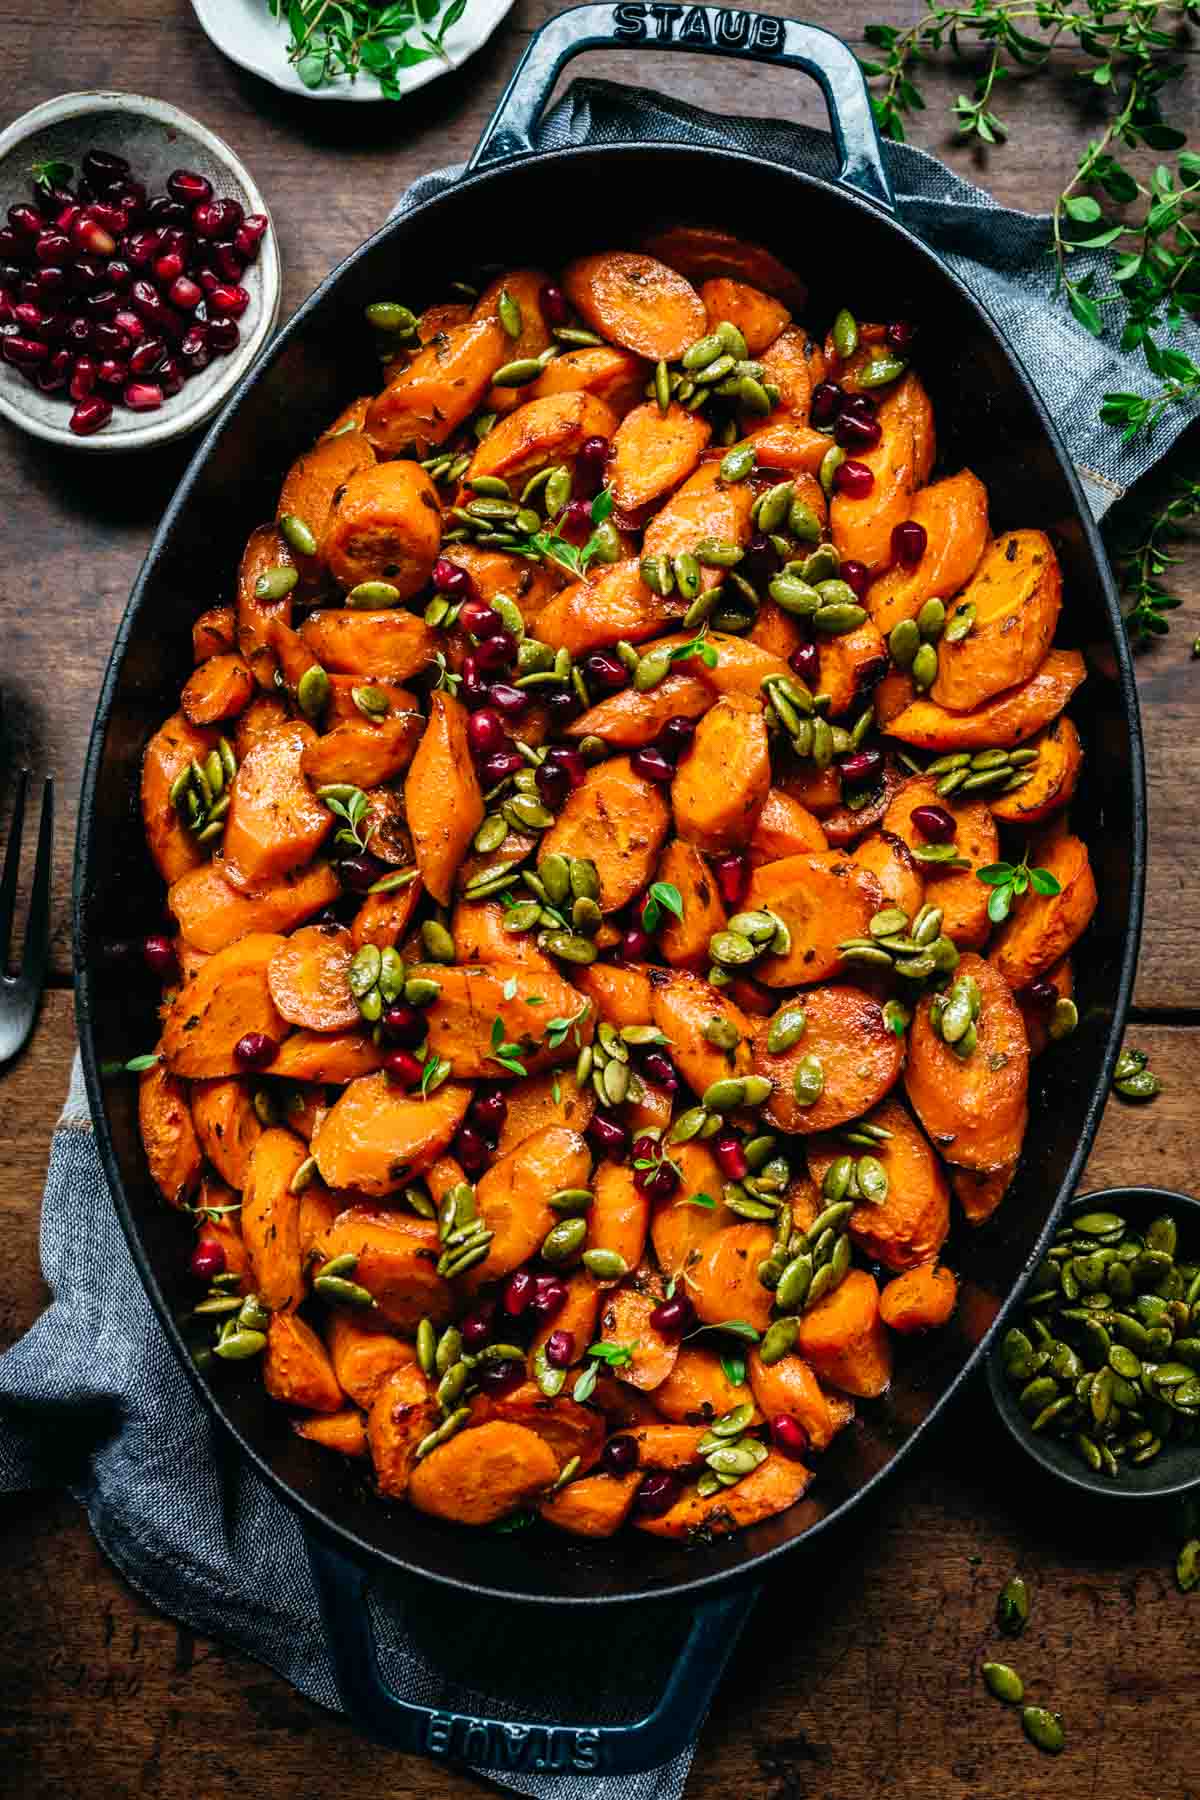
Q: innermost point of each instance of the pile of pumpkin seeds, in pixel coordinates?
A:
(563, 908)
(378, 978)
(1133, 1078)
(1041, 1726)
(334, 1282)
(913, 642)
(983, 772)
(804, 1266)
(746, 937)
(729, 1454)
(605, 1061)
(1108, 1357)
(200, 792)
(791, 709)
(954, 1016)
(914, 948)
(242, 1320)
(716, 368)
(463, 1235)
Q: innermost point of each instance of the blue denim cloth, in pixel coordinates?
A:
(92, 1396)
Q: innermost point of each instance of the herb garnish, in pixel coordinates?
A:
(1008, 880)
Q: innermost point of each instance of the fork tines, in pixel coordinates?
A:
(20, 993)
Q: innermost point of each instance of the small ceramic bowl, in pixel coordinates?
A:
(1176, 1468)
(156, 138)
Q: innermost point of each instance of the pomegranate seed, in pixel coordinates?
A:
(217, 218)
(854, 432)
(169, 268)
(657, 1184)
(28, 316)
(935, 823)
(255, 226)
(53, 375)
(79, 334)
(789, 1437)
(102, 166)
(147, 357)
(207, 1260)
(645, 1148)
(549, 1296)
(476, 1326)
(228, 301)
(1042, 992)
(51, 200)
(113, 372)
(517, 1292)
(90, 415)
(733, 878)
(561, 707)
(143, 396)
(607, 1136)
(24, 352)
(358, 873)
(635, 944)
(862, 406)
(140, 248)
(620, 1455)
(500, 1377)
(474, 690)
(194, 349)
(223, 335)
(117, 274)
(403, 1025)
(606, 672)
(246, 243)
(15, 249)
(206, 278)
(26, 220)
(575, 521)
(731, 1158)
(170, 377)
(488, 1112)
(590, 462)
(228, 263)
(899, 336)
(501, 764)
(55, 247)
(114, 219)
(496, 652)
(826, 403)
(661, 1070)
(656, 1494)
(90, 236)
(87, 276)
(864, 765)
(856, 575)
(552, 785)
(159, 955)
(513, 702)
(255, 1050)
(553, 304)
(479, 617)
(805, 661)
(449, 578)
(854, 479)
(908, 543)
(673, 1317)
(485, 732)
(470, 1150)
(560, 1349)
(186, 186)
(676, 736)
(562, 756)
(83, 379)
(402, 1068)
(652, 765)
(109, 339)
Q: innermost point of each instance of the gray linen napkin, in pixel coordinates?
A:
(92, 1397)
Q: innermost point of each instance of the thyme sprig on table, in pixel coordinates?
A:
(1155, 275)
(331, 39)
(1143, 561)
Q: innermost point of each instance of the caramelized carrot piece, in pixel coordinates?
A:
(954, 517)
(619, 1214)
(1016, 597)
(271, 1219)
(620, 995)
(475, 996)
(363, 1356)
(979, 1192)
(219, 689)
(616, 818)
(889, 859)
(1051, 780)
(851, 664)
(554, 1098)
(480, 937)
(343, 1431)
(441, 387)
(577, 1316)
(615, 376)
(699, 1390)
(296, 1368)
(793, 364)
(724, 1283)
(383, 919)
(974, 1108)
(789, 1389)
(313, 481)
(442, 796)
(823, 898)
(228, 998)
(214, 633)
(722, 781)
(265, 552)
(682, 1225)
(483, 1473)
(376, 1138)
(173, 747)
(635, 301)
(628, 720)
(541, 432)
(384, 525)
(595, 1507)
(275, 822)
(511, 1196)
(364, 755)
(652, 452)
(397, 1263)
(1006, 720)
(334, 1057)
(859, 1057)
(565, 1427)
(900, 462)
(758, 316)
(262, 715)
(625, 1320)
(1041, 928)
(309, 979)
(524, 286)
(682, 1006)
(392, 643)
(776, 1484)
(704, 507)
(705, 252)
(609, 606)
(919, 1300)
(785, 828)
(402, 1413)
(844, 1339)
(740, 666)
(789, 447)
(684, 942)
(226, 1124)
(169, 1138)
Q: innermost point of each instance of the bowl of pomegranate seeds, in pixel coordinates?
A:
(139, 272)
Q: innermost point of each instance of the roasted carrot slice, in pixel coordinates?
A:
(823, 898)
(296, 1367)
(402, 1413)
(441, 387)
(620, 995)
(309, 979)
(595, 1507)
(476, 998)
(699, 1389)
(859, 1060)
(173, 747)
(483, 1473)
(740, 668)
(384, 524)
(524, 286)
(616, 818)
(568, 1429)
(577, 1315)
(615, 376)
(228, 998)
(850, 666)
(784, 828)
(625, 1321)
(910, 1225)
(724, 1283)
(628, 720)
(441, 317)
(962, 897)
(684, 1008)
(793, 363)
(312, 482)
(392, 642)
(974, 1108)
(1016, 596)
(953, 514)
(704, 507)
(652, 452)
(900, 463)
(382, 919)
(820, 790)
(333, 1057)
(684, 942)
(844, 1339)
(214, 633)
(1042, 927)
(442, 796)
(363, 1356)
(635, 301)
(480, 937)
(226, 1124)
(789, 1389)
(889, 859)
(262, 715)
(219, 689)
(619, 1215)
(682, 1225)
(554, 1098)
(511, 1196)
(789, 447)
(612, 605)
(265, 552)
(776, 1484)
(351, 417)
(363, 755)
(919, 1300)
(343, 1431)
(541, 432)
(169, 1137)
(271, 1219)
(979, 1192)
(704, 253)
(1049, 783)
(669, 1446)
(722, 781)
(776, 631)
(758, 316)
(275, 822)
(396, 1263)
(1004, 721)
(377, 1137)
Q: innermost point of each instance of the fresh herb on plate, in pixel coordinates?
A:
(335, 40)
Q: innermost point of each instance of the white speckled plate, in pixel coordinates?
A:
(250, 36)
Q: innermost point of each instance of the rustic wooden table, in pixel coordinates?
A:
(860, 1675)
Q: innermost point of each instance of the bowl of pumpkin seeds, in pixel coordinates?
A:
(1098, 1375)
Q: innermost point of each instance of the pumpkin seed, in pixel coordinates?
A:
(731, 948)
(422, 990)
(1063, 1020)
(687, 1125)
(344, 1293)
(808, 1082)
(1043, 1728)
(570, 1200)
(439, 945)
(1004, 1682)
(237, 1346)
(881, 370)
(724, 1096)
(605, 1265)
(1187, 1566)
(312, 691)
(925, 666)
(845, 334)
(687, 575)
(872, 1180)
(786, 1028)
(519, 373)
(795, 1281)
(563, 1242)
(1012, 1607)
(390, 316)
(836, 618)
(960, 623)
(831, 462)
(738, 463)
(297, 535)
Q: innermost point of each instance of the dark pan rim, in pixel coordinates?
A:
(312, 1518)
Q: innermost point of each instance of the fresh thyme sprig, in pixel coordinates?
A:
(1143, 563)
(331, 39)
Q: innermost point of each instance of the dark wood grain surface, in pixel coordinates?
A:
(856, 1676)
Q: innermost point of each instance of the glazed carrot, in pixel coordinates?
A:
(635, 301)
(784, 828)
(595, 1507)
(483, 1473)
(652, 452)
(628, 720)
(310, 485)
(1041, 928)
(577, 1316)
(803, 1202)
(214, 633)
(722, 781)
(266, 552)
(704, 507)
(480, 937)
(776, 631)
(384, 524)
(376, 1138)
(962, 897)
(473, 998)
(263, 714)
(524, 287)
(318, 1208)
(309, 979)
(296, 1368)
(363, 1356)
(382, 919)
(618, 819)
(684, 942)
(1005, 721)
(889, 859)
(530, 585)
(776, 1484)
(438, 319)
(442, 796)
(859, 1060)
(609, 606)
(326, 1056)
(953, 514)
(363, 755)
(541, 432)
(271, 1219)
(788, 447)
(615, 376)
(789, 1389)
(226, 1124)
(619, 1215)
(402, 1413)
(532, 1106)
(705, 253)
(511, 1196)
(649, 1108)
(974, 1109)
(844, 1339)
(620, 995)
(343, 1431)
(919, 1300)
(740, 668)
(1036, 1012)
(565, 1427)
(275, 822)
(892, 696)
(351, 417)
(625, 1321)
(724, 1283)
(391, 643)
(1016, 597)
(226, 1000)
(851, 664)
(174, 746)
(823, 898)
(699, 1390)
(440, 388)
(683, 1006)
(1051, 780)
(219, 689)
(793, 364)
(758, 316)
(173, 1150)
(910, 1225)
(979, 1192)
(682, 1225)
(820, 790)
(900, 462)
(396, 1263)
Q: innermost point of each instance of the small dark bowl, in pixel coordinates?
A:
(1177, 1466)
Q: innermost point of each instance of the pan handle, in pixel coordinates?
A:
(504, 1745)
(709, 30)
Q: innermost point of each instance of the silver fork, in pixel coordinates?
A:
(20, 993)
